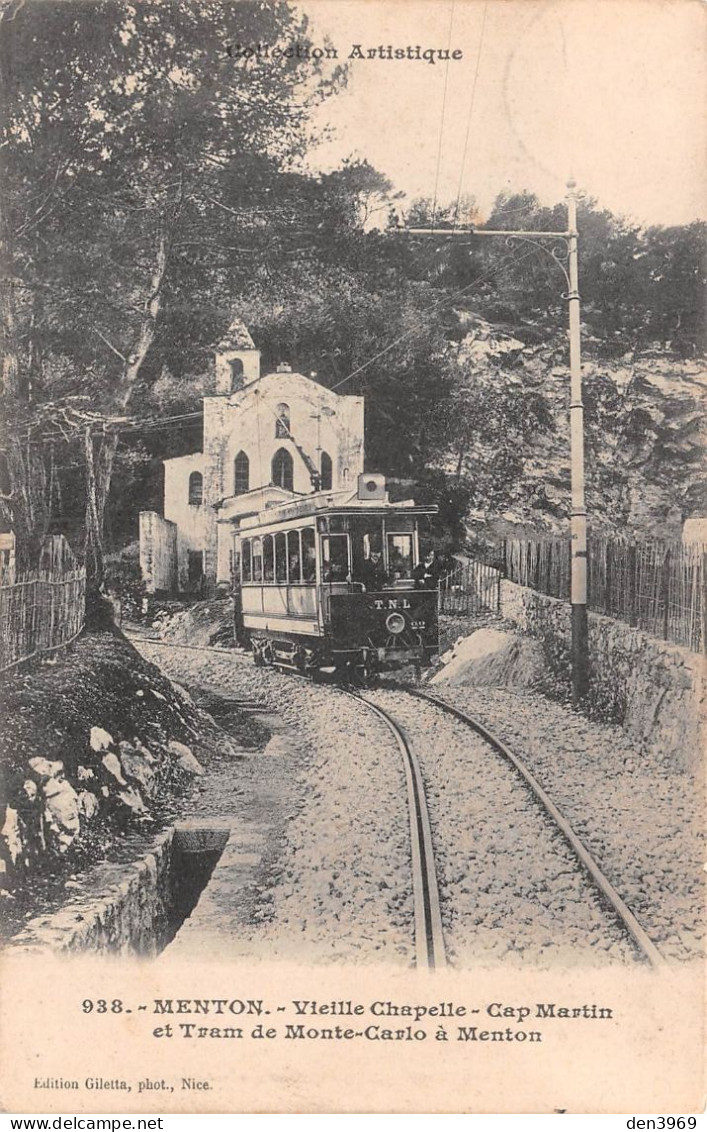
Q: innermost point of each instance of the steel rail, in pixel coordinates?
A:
(429, 936)
(129, 635)
(622, 910)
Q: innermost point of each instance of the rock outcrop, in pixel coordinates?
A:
(493, 657)
(93, 747)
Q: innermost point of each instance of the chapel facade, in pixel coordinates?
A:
(267, 438)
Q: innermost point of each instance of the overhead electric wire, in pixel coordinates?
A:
(158, 424)
(444, 106)
(447, 298)
(502, 267)
(470, 114)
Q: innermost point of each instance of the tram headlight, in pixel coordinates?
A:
(395, 623)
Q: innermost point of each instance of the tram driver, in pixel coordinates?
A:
(372, 572)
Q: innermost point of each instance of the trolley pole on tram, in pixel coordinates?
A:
(565, 249)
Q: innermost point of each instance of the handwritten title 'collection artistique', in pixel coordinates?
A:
(264, 52)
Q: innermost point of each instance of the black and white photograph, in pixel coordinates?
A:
(353, 548)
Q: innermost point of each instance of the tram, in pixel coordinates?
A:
(334, 582)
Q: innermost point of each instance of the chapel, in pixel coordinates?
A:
(267, 438)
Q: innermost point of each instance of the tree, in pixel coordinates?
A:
(126, 130)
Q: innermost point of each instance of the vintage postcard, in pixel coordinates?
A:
(352, 556)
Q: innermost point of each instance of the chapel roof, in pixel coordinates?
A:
(237, 337)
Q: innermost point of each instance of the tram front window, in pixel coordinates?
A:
(335, 558)
(400, 557)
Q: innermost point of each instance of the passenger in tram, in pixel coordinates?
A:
(426, 573)
(399, 565)
(335, 558)
(309, 564)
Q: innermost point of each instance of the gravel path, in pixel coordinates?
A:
(641, 819)
(340, 889)
(510, 887)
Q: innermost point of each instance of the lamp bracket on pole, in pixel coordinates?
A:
(559, 252)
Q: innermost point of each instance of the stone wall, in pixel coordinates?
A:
(654, 689)
(119, 909)
(192, 520)
(132, 909)
(158, 552)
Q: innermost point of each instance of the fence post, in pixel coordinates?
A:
(665, 588)
(34, 645)
(632, 585)
(701, 577)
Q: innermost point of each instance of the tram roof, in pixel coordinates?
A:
(331, 503)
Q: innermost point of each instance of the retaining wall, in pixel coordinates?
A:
(654, 689)
(120, 909)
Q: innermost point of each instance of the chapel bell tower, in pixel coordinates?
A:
(237, 360)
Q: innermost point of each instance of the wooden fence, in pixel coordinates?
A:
(42, 611)
(656, 586)
(471, 587)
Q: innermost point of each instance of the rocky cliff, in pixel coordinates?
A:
(644, 435)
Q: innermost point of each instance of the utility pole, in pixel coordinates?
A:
(578, 519)
(565, 249)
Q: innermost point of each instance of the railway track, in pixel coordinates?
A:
(623, 913)
(430, 952)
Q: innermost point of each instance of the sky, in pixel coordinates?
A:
(613, 92)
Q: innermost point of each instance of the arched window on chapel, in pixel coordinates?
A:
(283, 469)
(196, 489)
(236, 365)
(282, 425)
(326, 472)
(241, 474)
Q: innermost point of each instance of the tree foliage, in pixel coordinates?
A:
(153, 185)
(640, 288)
(126, 128)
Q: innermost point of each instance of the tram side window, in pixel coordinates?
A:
(246, 561)
(257, 560)
(335, 558)
(280, 557)
(400, 556)
(309, 556)
(294, 557)
(268, 559)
